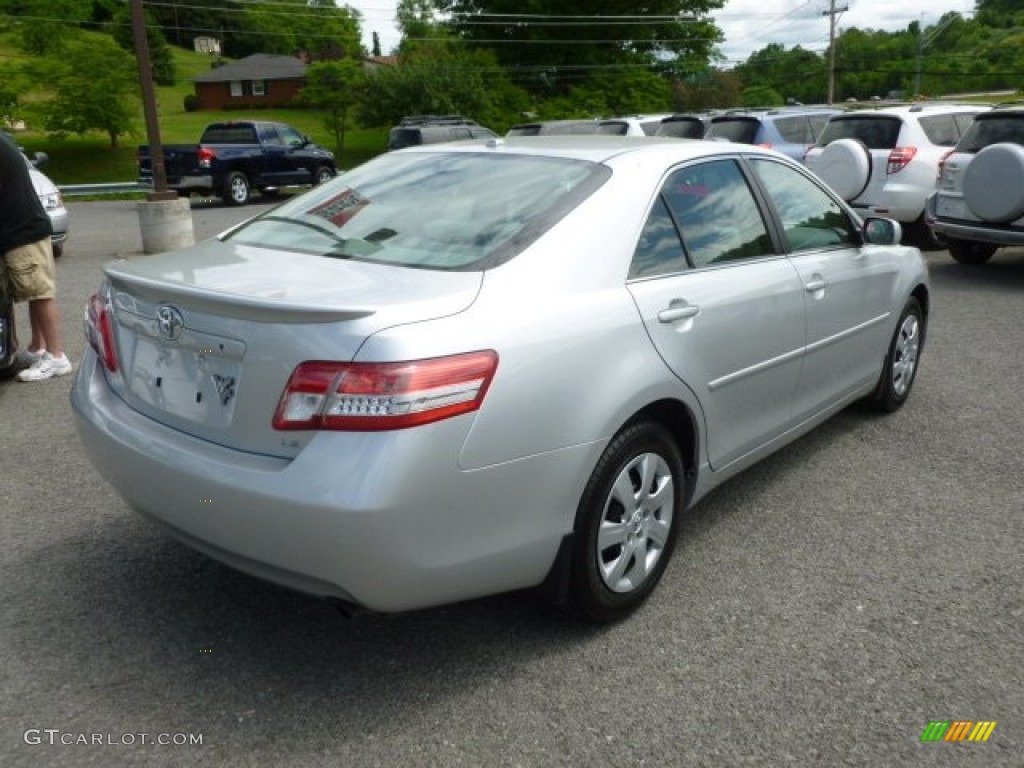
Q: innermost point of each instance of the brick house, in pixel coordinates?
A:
(259, 80)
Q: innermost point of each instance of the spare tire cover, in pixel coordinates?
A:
(994, 183)
(845, 165)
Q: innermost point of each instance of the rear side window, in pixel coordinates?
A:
(741, 129)
(941, 130)
(229, 134)
(992, 130)
(716, 213)
(876, 132)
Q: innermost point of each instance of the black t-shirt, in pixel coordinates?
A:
(22, 218)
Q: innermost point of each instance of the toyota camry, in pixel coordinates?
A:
(464, 369)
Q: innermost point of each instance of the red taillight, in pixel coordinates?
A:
(766, 145)
(100, 331)
(362, 397)
(206, 157)
(898, 159)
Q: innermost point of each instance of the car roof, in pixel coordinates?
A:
(597, 148)
(911, 109)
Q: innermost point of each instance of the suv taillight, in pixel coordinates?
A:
(206, 157)
(99, 331)
(363, 397)
(898, 159)
(942, 162)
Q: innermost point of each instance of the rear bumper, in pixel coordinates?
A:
(972, 231)
(385, 520)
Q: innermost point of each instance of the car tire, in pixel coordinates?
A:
(992, 188)
(323, 175)
(845, 165)
(901, 361)
(967, 252)
(626, 522)
(236, 188)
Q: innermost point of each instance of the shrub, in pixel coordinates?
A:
(191, 102)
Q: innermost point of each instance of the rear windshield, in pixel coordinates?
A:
(229, 134)
(400, 138)
(739, 129)
(876, 131)
(612, 128)
(987, 130)
(438, 210)
(682, 129)
(524, 130)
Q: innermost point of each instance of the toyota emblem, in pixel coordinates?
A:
(169, 322)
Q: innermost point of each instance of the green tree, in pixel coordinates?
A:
(335, 87)
(564, 39)
(45, 25)
(96, 89)
(317, 26)
(160, 57)
(433, 81)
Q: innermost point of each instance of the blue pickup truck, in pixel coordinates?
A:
(234, 158)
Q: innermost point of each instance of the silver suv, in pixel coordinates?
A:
(884, 161)
(978, 204)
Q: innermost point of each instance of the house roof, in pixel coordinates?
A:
(258, 66)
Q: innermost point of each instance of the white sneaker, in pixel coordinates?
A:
(26, 359)
(46, 367)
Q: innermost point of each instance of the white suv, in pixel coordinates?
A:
(978, 204)
(884, 161)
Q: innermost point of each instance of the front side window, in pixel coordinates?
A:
(716, 213)
(810, 217)
(438, 210)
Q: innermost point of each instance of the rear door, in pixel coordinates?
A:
(723, 309)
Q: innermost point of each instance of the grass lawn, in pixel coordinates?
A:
(89, 159)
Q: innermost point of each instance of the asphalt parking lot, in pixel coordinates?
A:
(821, 609)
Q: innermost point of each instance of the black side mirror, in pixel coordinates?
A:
(39, 159)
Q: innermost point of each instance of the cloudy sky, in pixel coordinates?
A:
(749, 25)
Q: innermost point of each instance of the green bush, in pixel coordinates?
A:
(191, 102)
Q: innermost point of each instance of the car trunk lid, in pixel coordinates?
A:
(206, 338)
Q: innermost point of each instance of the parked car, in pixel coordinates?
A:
(555, 128)
(465, 369)
(52, 202)
(789, 130)
(233, 158)
(684, 126)
(435, 129)
(884, 161)
(978, 205)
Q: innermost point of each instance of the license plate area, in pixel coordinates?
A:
(195, 378)
(951, 208)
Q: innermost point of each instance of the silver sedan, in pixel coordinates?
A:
(465, 369)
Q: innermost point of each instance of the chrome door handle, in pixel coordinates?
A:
(672, 314)
(816, 285)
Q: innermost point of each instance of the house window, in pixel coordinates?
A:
(259, 87)
(236, 87)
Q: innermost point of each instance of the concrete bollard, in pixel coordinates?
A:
(166, 225)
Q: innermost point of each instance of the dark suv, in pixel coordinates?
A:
(978, 203)
(435, 129)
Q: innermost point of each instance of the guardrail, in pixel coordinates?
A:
(114, 188)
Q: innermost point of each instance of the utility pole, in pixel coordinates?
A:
(832, 12)
(156, 150)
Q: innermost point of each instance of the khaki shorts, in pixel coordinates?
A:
(31, 273)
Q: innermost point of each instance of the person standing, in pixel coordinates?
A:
(28, 259)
